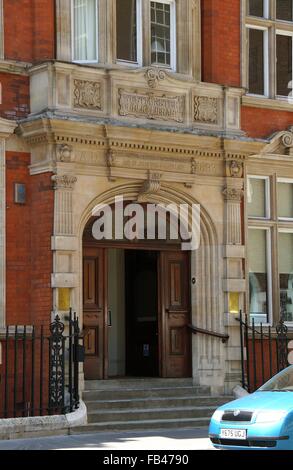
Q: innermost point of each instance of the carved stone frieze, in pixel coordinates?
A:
(156, 163)
(203, 168)
(206, 109)
(87, 94)
(64, 182)
(154, 76)
(89, 157)
(151, 106)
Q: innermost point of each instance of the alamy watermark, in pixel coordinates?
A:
(136, 221)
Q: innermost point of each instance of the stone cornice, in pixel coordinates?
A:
(7, 127)
(15, 67)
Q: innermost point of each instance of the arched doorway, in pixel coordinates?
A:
(136, 308)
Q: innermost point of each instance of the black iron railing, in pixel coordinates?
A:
(40, 369)
(264, 351)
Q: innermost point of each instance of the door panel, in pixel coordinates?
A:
(94, 308)
(175, 308)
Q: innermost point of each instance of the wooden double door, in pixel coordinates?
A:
(162, 346)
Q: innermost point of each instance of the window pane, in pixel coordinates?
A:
(286, 274)
(284, 10)
(85, 30)
(285, 200)
(160, 33)
(126, 20)
(256, 61)
(256, 197)
(284, 64)
(256, 7)
(258, 277)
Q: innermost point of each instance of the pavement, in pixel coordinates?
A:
(178, 439)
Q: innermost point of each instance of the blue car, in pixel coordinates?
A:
(262, 420)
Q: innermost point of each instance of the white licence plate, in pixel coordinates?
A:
(233, 434)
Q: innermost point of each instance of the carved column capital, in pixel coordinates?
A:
(233, 194)
(64, 182)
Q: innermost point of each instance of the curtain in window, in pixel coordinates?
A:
(85, 30)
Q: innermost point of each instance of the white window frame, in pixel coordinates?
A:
(266, 10)
(283, 230)
(139, 39)
(265, 57)
(173, 42)
(269, 271)
(280, 32)
(267, 197)
(97, 36)
(287, 181)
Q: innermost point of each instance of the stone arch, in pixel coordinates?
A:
(206, 295)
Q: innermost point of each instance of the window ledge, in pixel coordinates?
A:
(268, 103)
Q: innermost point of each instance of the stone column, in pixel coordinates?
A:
(234, 278)
(6, 129)
(64, 244)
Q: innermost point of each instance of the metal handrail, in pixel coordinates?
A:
(196, 330)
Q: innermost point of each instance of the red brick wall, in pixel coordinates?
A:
(259, 123)
(221, 34)
(18, 242)
(29, 30)
(42, 207)
(29, 229)
(15, 96)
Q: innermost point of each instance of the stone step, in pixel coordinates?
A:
(150, 414)
(139, 383)
(141, 425)
(128, 393)
(162, 402)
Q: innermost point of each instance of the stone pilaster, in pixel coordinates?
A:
(64, 244)
(63, 217)
(234, 285)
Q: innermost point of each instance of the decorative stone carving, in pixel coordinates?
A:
(151, 106)
(64, 153)
(233, 194)
(203, 168)
(206, 109)
(154, 76)
(151, 186)
(110, 159)
(287, 137)
(64, 181)
(87, 94)
(193, 166)
(234, 169)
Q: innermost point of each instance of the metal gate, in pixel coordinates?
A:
(40, 369)
(264, 351)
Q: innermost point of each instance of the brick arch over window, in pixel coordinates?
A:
(206, 295)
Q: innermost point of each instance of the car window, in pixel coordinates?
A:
(283, 381)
